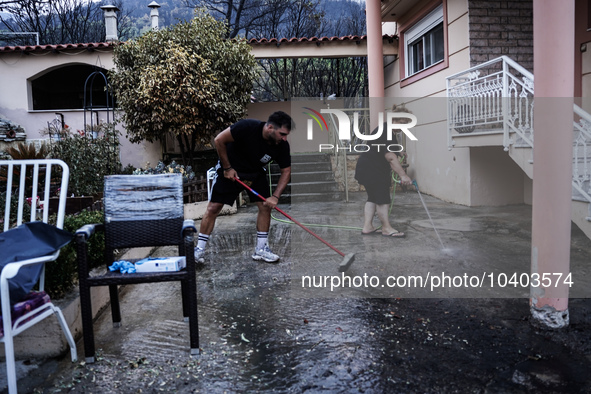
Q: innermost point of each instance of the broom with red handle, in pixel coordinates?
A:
(347, 258)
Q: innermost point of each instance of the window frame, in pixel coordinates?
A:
(418, 27)
(38, 85)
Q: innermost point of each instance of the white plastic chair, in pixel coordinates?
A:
(16, 177)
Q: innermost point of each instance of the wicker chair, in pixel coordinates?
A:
(32, 181)
(140, 211)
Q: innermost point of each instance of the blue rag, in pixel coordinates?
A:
(126, 267)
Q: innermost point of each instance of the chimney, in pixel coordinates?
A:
(154, 14)
(111, 22)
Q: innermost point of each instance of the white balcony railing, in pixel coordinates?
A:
(498, 96)
(493, 96)
(582, 155)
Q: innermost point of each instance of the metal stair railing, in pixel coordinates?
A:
(499, 94)
(582, 156)
(359, 118)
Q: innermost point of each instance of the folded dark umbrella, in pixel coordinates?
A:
(28, 241)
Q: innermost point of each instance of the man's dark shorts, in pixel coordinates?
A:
(226, 191)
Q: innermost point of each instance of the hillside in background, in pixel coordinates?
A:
(74, 21)
(339, 17)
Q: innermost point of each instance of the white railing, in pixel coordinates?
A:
(496, 95)
(342, 147)
(582, 155)
(499, 96)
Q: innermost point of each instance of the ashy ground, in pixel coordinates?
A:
(262, 329)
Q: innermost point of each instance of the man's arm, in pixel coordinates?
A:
(281, 185)
(283, 181)
(220, 141)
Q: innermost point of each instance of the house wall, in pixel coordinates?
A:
(499, 180)
(17, 69)
(477, 31)
(500, 28)
(439, 171)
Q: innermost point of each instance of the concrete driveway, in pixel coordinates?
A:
(302, 326)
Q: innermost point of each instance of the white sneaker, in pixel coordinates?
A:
(199, 255)
(265, 254)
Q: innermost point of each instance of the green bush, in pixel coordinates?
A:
(89, 159)
(61, 275)
(128, 169)
(172, 168)
(13, 210)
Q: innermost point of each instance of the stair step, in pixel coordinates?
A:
(311, 187)
(312, 166)
(312, 157)
(309, 176)
(310, 197)
(312, 179)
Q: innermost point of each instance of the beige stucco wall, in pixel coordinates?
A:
(496, 179)
(17, 69)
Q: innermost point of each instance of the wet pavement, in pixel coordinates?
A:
(267, 328)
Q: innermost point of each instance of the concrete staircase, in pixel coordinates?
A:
(312, 179)
(480, 88)
(524, 158)
(581, 208)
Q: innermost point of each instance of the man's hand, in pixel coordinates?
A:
(271, 202)
(230, 174)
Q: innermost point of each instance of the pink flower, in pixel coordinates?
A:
(30, 199)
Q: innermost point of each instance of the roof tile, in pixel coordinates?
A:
(252, 41)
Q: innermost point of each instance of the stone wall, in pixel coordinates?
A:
(339, 173)
(14, 143)
(500, 28)
(10, 131)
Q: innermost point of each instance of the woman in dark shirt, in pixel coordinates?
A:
(373, 171)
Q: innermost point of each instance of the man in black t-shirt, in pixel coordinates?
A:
(244, 149)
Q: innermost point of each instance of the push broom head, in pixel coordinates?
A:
(347, 261)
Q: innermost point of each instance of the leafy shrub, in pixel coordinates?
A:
(24, 151)
(188, 80)
(61, 275)
(13, 210)
(172, 168)
(89, 159)
(128, 169)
